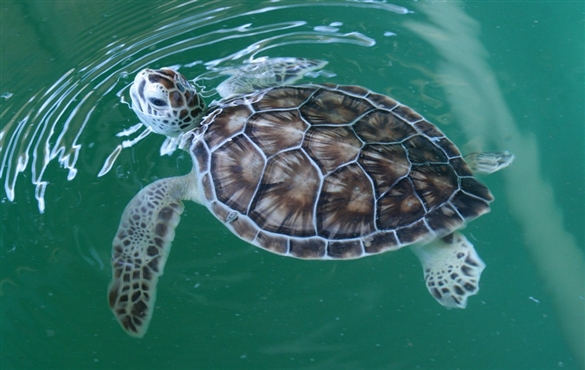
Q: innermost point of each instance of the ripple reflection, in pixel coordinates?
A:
(51, 125)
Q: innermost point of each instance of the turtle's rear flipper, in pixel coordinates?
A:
(140, 250)
(489, 162)
(452, 269)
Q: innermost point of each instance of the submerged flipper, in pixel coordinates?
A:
(266, 73)
(452, 269)
(140, 250)
(488, 162)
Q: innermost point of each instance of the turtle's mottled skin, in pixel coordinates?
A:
(307, 171)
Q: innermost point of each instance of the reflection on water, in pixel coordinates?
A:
(555, 251)
(49, 126)
(72, 120)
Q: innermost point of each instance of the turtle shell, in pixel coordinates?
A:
(328, 171)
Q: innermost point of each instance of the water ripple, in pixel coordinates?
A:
(50, 125)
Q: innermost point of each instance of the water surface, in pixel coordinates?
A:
(493, 76)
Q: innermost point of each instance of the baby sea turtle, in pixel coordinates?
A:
(309, 171)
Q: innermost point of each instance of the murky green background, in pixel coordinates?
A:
(492, 75)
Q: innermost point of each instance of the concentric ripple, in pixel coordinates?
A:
(50, 125)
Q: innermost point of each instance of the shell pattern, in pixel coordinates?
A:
(329, 171)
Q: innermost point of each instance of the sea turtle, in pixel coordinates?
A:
(310, 171)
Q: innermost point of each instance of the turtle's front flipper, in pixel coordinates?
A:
(140, 250)
(452, 269)
(266, 73)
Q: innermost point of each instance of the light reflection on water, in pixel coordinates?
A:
(58, 123)
(49, 126)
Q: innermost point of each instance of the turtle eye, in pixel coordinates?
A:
(157, 102)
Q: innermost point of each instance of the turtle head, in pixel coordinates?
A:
(166, 102)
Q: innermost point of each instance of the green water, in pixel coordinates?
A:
(492, 75)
